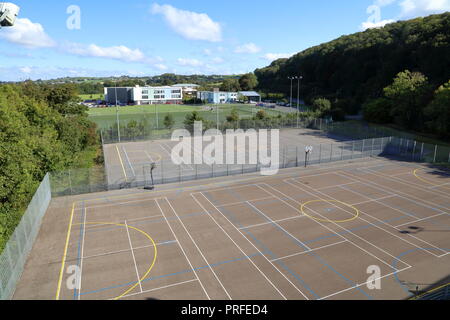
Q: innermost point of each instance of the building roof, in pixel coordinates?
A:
(249, 93)
(186, 85)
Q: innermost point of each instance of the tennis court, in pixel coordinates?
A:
(129, 162)
(309, 233)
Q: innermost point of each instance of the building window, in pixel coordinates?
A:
(144, 97)
(144, 91)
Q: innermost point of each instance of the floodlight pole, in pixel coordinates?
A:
(298, 99)
(291, 78)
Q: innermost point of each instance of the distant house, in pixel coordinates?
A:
(189, 89)
(219, 97)
(253, 96)
(144, 95)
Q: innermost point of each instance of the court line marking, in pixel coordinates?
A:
(121, 162)
(148, 237)
(407, 214)
(132, 253)
(242, 202)
(226, 233)
(428, 182)
(310, 250)
(128, 160)
(63, 262)
(323, 262)
(187, 166)
(266, 223)
(120, 203)
(339, 226)
(181, 247)
(430, 291)
(273, 222)
(354, 217)
(365, 283)
(397, 193)
(160, 288)
(412, 185)
(201, 253)
(82, 253)
(127, 250)
(318, 168)
(418, 220)
(401, 211)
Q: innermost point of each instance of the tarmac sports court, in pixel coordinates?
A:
(307, 233)
(129, 162)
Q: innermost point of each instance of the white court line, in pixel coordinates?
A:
(412, 185)
(273, 222)
(101, 227)
(127, 250)
(373, 200)
(439, 185)
(310, 250)
(365, 283)
(331, 187)
(337, 234)
(404, 213)
(134, 258)
(156, 289)
(188, 166)
(240, 249)
(82, 253)
(266, 223)
(148, 155)
(396, 192)
(128, 160)
(181, 247)
(122, 203)
(242, 202)
(418, 220)
(200, 251)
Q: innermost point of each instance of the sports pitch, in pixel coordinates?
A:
(304, 234)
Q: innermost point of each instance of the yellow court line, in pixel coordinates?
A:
(121, 162)
(63, 262)
(158, 156)
(329, 220)
(431, 291)
(120, 225)
(427, 181)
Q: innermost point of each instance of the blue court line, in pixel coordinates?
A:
(176, 273)
(80, 236)
(313, 254)
(400, 256)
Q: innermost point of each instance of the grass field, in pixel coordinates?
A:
(106, 117)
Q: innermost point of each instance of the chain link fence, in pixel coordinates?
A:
(13, 257)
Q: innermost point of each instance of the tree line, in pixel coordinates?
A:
(42, 129)
(356, 69)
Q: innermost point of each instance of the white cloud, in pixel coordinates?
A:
(160, 66)
(189, 62)
(383, 3)
(247, 48)
(190, 25)
(28, 34)
(207, 52)
(122, 53)
(217, 60)
(371, 25)
(276, 56)
(26, 70)
(417, 8)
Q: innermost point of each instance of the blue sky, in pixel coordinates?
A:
(140, 38)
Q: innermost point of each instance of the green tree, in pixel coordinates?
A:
(438, 111)
(230, 85)
(233, 117)
(261, 115)
(248, 82)
(377, 111)
(169, 122)
(321, 106)
(194, 117)
(407, 96)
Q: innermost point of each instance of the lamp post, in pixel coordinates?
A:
(291, 78)
(299, 78)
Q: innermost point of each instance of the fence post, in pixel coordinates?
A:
(373, 147)
(421, 152)
(400, 146)
(435, 153)
(353, 148)
(296, 156)
(212, 170)
(196, 171)
(414, 151)
(331, 153)
(70, 183)
(179, 171)
(363, 147)
(342, 151)
(320, 154)
(407, 146)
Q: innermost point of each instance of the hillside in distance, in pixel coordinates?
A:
(355, 68)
